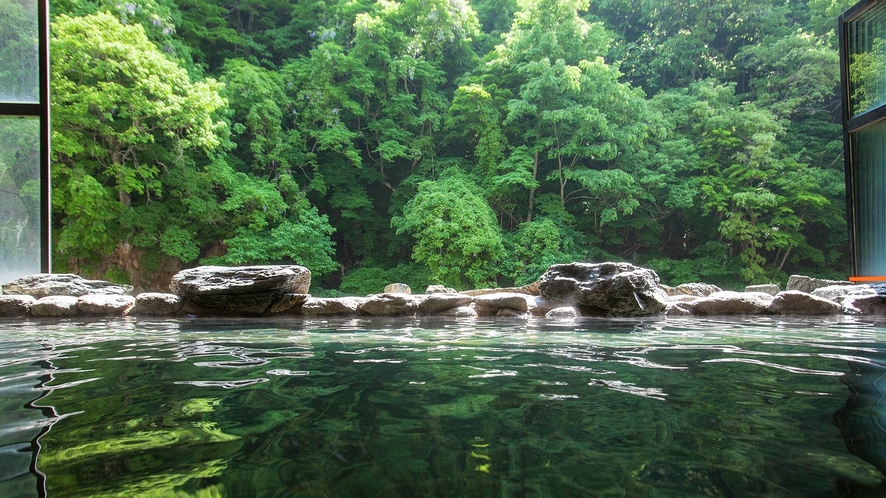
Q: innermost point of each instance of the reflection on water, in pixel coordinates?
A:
(444, 408)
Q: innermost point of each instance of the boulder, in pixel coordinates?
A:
(55, 306)
(510, 313)
(460, 312)
(247, 290)
(539, 306)
(801, 303)
(680, 309)
(871, 304)
(772, 289)
(837, 292)
(732, 303)
(503, 300)
(440, 289)
(156, 303)
(63, 284)
(397, 289)
(606, 289)
(803, 283)
(338, 306)
(104, 305)
(434, 304)
(531, 289)
(698, 289)
(389, 305)
(563, 312)
(289, 304)
(16, 305)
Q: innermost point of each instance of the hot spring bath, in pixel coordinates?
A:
(590, 407)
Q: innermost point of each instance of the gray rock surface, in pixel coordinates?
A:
(504, 300)
(104, 305)
(563, 312)
(509, 313)
(801, 303)
(433, 304)
(247, 290)
(16, 304)
(338, 306)
(397, 288)
(772, 289)
(605, 289)
(871, 304)
(732, 303)
(440, 289)
(539, 306)
(680, 309)
(803, 283)
(697, 289)
(289, 304)
(390, 305)
(837, 292)
(63, 284)
(156, 303)
(461, 312)
(55, 306)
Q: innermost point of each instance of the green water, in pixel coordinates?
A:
(443, 408)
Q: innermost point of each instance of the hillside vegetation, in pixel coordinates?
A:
(465, 143)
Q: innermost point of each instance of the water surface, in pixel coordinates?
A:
(763, 407)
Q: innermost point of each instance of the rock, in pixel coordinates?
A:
(837, 292)
(63, 284)
(16, 305)
(692, 289)
(104, 305)
(772, 289)
(440, 289)
(685, 298)
(389, 305)
(247, 290)
(531, 289)
(606, 289)
(56, 306)
(460, 312)
(289, 303)
(808, 284)
(539, 306)
(503, 300)
(732, 303)
(563, 312)
(510, 313)
(801, 303)
(436, 303)
(679, 309)
(871, 304)
(339, 306)
(397, 289)
(156, 303)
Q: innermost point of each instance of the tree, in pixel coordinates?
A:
(455, 231)
(124, 117)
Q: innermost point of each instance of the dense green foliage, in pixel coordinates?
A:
(482, 140)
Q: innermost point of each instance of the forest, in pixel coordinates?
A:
(469, 143)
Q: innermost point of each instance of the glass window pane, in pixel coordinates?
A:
(19, 51)
(19, 197)
(866, 40)
(869, 167)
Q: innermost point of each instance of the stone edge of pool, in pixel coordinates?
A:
(564, 291)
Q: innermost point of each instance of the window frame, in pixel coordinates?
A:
(41, 111)
(851, 125)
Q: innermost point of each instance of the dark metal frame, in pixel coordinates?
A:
(850, 126)
(41, 111)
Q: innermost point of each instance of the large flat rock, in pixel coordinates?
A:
(248, 290)
(63, 284)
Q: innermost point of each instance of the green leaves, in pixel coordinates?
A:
(456, 233)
